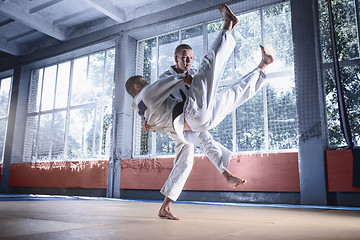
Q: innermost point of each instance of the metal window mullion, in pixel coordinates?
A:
(67, 122)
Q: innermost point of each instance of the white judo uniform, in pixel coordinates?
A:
(184, 151)
(203, 109)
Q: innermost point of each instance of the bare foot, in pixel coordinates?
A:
(166, 213)
(266, 58)
(229, 17)
(234, 182)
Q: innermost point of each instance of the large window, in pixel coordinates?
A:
(5, 89)
(346, 32)
(268, 122)
(70, 109)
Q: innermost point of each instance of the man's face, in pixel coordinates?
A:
(184, 59)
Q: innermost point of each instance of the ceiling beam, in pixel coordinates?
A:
(33, 21)
(43, 6)
(6, 22)
(107, 8)
(11, 48)
(27, 33)
(72, 16)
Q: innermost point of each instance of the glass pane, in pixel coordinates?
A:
(96, 75)
(248, 39)
(80, 88)
(106, 131)
(147, 59)
(194, 38)
(223, 133)
(81, 133)
(250, 135)
(282, 115)
(345, 29)
(281, 94)
(277, 26)
(325, 35)
(58, 136)
(164, 144)
(167, 45)
(107, 103)
(5, 86)
(44, 137)
(336, 138)
(350, 77)
(30, 139)
(3, 124)
(62, 85)
(109, 75)
(48, 91)
(35, 90)
(98, 129)
(142, 139)
(147, 64)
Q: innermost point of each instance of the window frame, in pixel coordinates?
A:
(6, 118)
(327, 67)
(57, 61)
(287, 72)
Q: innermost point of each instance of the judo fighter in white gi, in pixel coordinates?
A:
(202, 109)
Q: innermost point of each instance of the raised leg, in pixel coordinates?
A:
(230, 20)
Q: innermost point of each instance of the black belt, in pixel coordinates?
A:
(178, 109)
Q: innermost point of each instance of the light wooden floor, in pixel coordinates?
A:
(70, 218)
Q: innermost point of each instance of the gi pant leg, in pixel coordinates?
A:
(234, 96)
(217, 153)
(183, 163)
(201, 100)
(184, 158)
(205, 109)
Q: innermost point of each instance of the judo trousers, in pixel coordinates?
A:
(184, 159)
(205, 108)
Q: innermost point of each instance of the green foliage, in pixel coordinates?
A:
(347, 44)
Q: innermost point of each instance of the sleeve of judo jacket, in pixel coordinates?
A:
(156, 93)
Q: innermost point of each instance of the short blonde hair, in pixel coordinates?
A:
(182, 47)
(129, 85)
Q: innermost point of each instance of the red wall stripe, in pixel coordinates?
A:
(264, 172)
(77, 174)
(340, 171)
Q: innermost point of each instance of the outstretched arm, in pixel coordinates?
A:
(157, 92)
